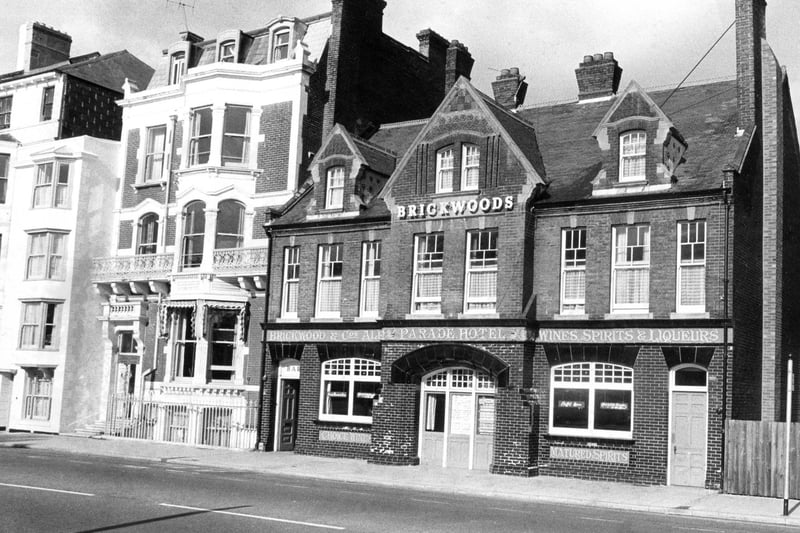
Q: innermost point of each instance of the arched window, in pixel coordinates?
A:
(148, 234)
(280, 44)
(591, 399)
(194, 226)
(227, 51)
(348, 388)
(632, 154)
(230, 225)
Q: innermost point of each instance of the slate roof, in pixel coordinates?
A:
(398, 136)
(705, 115)
(296, 213)
(106, 70)
(378, 159)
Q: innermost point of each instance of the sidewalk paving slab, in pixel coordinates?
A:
(688, 501)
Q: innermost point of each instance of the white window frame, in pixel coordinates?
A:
(632, 149)
(330, 255)
(280, 48)
(591, 377)
(39, 324)
(351, 371)
(470, 167)
(196, 137)
(573, 264)
(177, 67)
(427, 263)
(214, 340)
(623, 259)
(479, 262)
(5, 163)
(183, 335)
(48, 98)
(334, 188)
(155, 155)
(38, 393)
(49, 262)
(243, 159)
(6, 103)
(196, 237)
(291, 282)
(445, 169)
(144, 247)
(219, 235)
(369, 305)
(227, 51)
(691, 256)
(51, 188)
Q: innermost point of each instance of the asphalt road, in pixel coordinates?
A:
(42, 491)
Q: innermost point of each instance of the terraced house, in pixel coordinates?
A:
(586, 289)
(222, 133)
(59, 144)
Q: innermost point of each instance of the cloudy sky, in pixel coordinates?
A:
(656, 43)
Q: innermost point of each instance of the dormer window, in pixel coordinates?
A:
(470, 161)
(632, 155)
(334, 189)
(227, 52)
(444, 170)
(177, 67)
(280, 45)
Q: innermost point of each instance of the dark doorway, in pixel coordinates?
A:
(290, 390)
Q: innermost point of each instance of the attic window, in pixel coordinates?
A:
(280, 45)
(334, 190)
(444, 170)
(227, 52)
(177, 67)
(632, 155)
(470, 161)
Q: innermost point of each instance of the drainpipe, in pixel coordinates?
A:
(727, 186)
(168, 189)
(262, 372)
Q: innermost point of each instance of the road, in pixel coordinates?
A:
(44, 491)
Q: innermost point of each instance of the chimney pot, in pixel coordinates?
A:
(587, 59)
(514, 71)
(598, 57)
(504, 73)
(608, 56)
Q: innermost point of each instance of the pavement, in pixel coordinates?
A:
(687, 501)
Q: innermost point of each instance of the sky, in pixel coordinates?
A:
(656, 43)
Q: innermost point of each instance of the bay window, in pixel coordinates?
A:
(51, 190)
(194, 225)
(185, 347)
(39, 329)
(349, 387)
(200, 140)
(591, 399)
(222, 344)
(428, 260)
(573, 271)
(235, 135)
(46, 255)
(480, 286)
(38, 393)
(329, 276)
(630, 280)
(691, 266)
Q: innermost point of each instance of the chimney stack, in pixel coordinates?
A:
(458, 63)
(509, 88)
(41, 46)
(433, 46)
(750, 30)
(598, 76)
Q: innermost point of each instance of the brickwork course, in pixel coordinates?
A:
(720, 156)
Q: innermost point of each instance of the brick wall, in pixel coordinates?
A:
(125, 239)
(273, 153)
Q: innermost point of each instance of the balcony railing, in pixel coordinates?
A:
(132, 267)
(241, 260)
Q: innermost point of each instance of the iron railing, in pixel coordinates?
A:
(241, 259)
(223, 426)
(126, 267)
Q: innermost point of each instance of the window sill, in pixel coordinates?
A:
(149, 185)
(425, 316)
(355, 427)
(632, 315)
(462, 316)
(587, 439)
(287, 319)
(366, 319)
(679, 316)
(326, 319)
(456, 194)
(568, 316)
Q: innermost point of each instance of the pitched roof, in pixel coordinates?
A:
(398, 136)
(110, 70)
(297, 213)
(705, 115)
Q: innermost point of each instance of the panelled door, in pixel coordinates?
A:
(6, 380)
(689, 427)
(457, 419)
(290, 389)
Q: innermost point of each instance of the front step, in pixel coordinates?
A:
(91, 430)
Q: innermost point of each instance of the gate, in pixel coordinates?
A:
(755, 455)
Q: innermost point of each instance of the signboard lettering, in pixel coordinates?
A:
(589, 454)
(454, 208)
(634, 335)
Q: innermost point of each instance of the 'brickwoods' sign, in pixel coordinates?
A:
(455, 208)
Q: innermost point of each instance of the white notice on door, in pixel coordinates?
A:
(460, 414)
(485, 415)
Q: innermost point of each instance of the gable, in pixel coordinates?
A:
(633, 105)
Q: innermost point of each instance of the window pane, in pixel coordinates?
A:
(690, 377)
(336, 398)
(365, 392)
(571, 408)
(612, 410)
(434, 412)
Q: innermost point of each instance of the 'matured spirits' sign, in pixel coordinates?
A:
(455, 208)
(590, 454)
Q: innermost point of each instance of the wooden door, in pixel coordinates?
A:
(688, 439)
(290, 389)
(462, 415)
(432, 431)
(5, 398)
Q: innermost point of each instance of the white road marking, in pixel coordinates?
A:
(46, 489)
(600, 519)
(428, 501)
(698, 529)
(257, 517)
(295, 486)
(135, 467)
(509, 510)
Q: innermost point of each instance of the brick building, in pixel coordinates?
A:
(222, 133)
(585, 289)
(59, 140)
